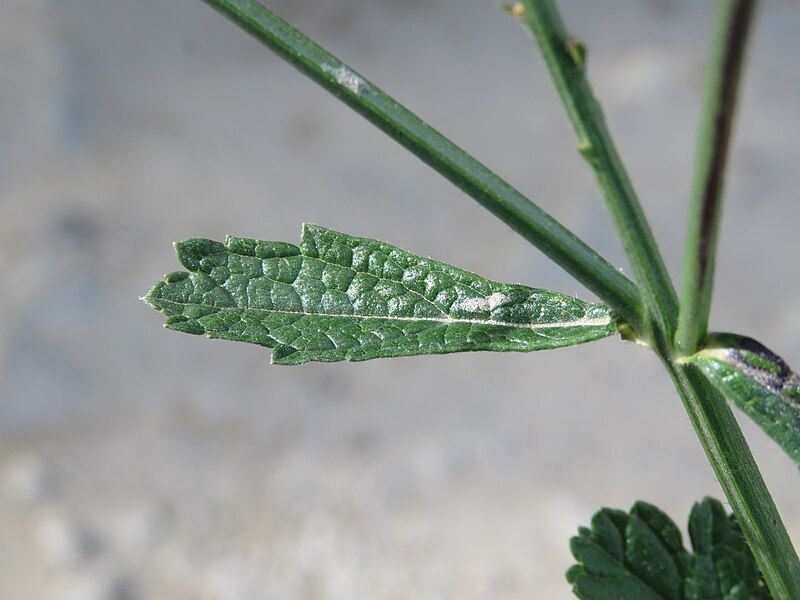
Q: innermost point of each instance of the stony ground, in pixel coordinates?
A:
(137, 464)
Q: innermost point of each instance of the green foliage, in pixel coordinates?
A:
(336, 297)
(640, 556)
(759, 382)
(339, 297)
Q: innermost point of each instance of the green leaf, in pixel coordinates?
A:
(338, 297)
(640, 556)
(759, 382)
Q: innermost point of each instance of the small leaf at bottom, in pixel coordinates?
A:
(640, 556)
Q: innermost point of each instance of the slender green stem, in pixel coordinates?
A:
(444, 156)
(738, 474)
(565, 57)
(733, 24)
(711, 416)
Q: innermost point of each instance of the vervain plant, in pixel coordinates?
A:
(337, 297)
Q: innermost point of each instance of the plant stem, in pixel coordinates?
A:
(565, 58)
(716, 427)
(738, 474)
(495, 194)
(733, 24)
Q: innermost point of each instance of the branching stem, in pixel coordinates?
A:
(713, 421)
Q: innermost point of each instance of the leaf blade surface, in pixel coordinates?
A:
(339, 297)
(640, 556)
(759, 382)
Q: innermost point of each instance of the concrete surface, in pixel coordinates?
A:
(137, 463)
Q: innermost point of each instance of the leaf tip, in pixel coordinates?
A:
(284, 355)
(176, 277)
(574, 573)
(151, 297)
(310, 229)
(184, 325)
(192, 251)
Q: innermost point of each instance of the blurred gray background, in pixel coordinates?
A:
(138, 463)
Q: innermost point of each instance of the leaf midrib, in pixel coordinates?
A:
(599, 322)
